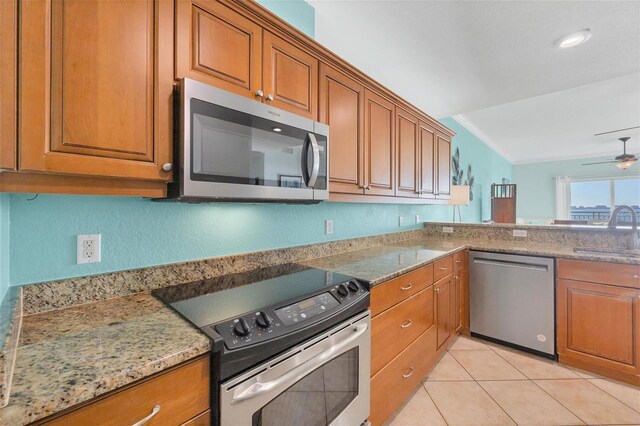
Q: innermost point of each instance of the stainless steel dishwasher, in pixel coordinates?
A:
(512, 300)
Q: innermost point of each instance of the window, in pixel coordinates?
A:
(592, 199)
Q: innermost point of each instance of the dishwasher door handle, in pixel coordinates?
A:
(509, 264)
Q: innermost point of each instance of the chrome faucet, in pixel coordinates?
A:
(634, 244)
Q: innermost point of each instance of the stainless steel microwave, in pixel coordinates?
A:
(230, 148)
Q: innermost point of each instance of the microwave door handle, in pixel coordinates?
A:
(315, 168)
(260, 388)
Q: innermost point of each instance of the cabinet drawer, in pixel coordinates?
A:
(393, 330)
(182, 394)
(600, 272)
(394, 383)
(394, 291)
(442, 268)
(460, 260)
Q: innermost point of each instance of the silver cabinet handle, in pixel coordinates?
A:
(167, 167)
(259, 94)
(437, 290)
(407, 324)
(409, 374)
(636, 276)
(442, 268)
(155, 411)
(269, 97)
(368, 187)
(458, 261)
(260, 388)
(407, 287)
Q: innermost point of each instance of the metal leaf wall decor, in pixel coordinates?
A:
(457, 173)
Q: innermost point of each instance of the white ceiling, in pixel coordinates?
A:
(493, 65)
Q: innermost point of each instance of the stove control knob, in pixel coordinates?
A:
(241, 328)
(263, 320)
(342, 290)
(353, 286)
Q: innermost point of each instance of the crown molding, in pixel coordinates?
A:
(471, 127)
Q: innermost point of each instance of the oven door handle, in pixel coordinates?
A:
(311, 364)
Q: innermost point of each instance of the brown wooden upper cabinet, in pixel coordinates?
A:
(8, 79)
(407, 138)
(95, 87)
(427, 164)
(379, 146)
(443, 171)
(221, 47)
(342, 108)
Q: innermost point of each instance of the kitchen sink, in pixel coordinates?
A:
(607, 252)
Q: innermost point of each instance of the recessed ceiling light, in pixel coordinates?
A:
(574, 39)
(276, 129)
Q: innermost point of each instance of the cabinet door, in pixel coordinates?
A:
(444, 166)
(95, 87)
(427, 165)
(218, 46)
(8, 86)
(599, 324)
(342, 108)
(407, 152)
(379, 147)
(290, 77)
(443, 300)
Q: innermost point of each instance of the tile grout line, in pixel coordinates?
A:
(483, 389)
(434, 403)
(531, 380)
(576, 378)
(560, 402)
(610, 394)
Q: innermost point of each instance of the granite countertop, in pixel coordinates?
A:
(73, 355)
(382, 263)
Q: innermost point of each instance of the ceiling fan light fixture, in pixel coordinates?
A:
(625, 164)
(574, 39)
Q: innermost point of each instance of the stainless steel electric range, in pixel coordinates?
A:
(291, 345)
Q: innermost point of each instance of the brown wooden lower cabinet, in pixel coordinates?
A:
(397, 327)
(444, 303)
(599, 328)
(181, 393)
(396, 381)
(413, 322)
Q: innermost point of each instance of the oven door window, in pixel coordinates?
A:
(230, 146)
(318, 398)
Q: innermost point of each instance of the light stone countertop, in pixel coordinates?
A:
(73, 355)
(382, 263)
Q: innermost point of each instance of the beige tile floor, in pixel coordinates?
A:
(480, 383)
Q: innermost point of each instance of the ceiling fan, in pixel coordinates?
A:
(622, 161)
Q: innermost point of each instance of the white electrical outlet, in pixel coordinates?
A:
(520, 233)
(88, 249)
(447, 230)
(328, 226)
(400, 221)
(417, 218)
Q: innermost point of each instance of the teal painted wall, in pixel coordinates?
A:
(138, 232)
(536, 186)
(298, 13)
(487, 167)
(4, 244)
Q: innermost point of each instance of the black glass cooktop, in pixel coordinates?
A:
(214, 300)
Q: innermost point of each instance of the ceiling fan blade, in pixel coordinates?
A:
(601, 162)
